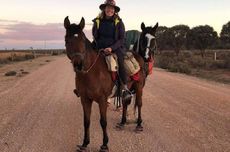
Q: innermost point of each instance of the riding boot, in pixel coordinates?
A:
(126, 94)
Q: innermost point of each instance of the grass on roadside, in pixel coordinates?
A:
(190, 63)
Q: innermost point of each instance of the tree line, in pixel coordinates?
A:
(203, 37)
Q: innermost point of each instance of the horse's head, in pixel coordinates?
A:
(147, 41)
(75, 42)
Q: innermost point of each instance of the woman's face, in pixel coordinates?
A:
(109, 11)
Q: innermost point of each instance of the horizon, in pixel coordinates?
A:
(38, 25)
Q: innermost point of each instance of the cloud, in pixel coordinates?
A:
(17, 34)
(29, 31)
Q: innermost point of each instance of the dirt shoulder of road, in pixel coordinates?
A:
(21, 68)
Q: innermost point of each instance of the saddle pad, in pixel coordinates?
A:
(130, 63)
(111, 61)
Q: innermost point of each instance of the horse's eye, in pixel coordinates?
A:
(76, 35)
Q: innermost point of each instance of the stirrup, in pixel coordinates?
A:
(127, 95)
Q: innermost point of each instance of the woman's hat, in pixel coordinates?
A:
(110, 3)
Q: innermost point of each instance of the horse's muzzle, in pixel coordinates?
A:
(78, 67)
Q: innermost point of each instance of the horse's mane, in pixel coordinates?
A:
(89, 44)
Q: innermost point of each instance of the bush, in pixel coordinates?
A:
(11, 73)
(180, 67)
(180, 58)
(216, 65)
(168, 53)
(197, 62)
(19, 58)
(227, 62)
(221, 55)
(54, 53)
(164, 62)
(29, 56)
(219, 64)
(187, 54)
(4, 61)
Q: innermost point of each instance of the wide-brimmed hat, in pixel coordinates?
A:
(110, 3)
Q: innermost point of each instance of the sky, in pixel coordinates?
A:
(39, 24)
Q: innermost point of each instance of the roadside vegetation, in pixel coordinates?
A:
(22, 55)
(191, 63)
(207, 53)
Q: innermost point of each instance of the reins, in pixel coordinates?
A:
(98, 54)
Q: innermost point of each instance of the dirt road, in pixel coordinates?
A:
(180, 113)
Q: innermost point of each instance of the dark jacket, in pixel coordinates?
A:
(119, 36)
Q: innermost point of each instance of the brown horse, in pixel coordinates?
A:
(94, 80)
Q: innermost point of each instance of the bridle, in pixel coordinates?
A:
(83, 56)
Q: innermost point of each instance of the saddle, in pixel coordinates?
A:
(131, 65)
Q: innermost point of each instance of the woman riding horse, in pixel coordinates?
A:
(109, 34)
(91, 70)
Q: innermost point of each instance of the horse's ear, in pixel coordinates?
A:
(143, 26)
(82, 23)
(155, 27)
(66, 22)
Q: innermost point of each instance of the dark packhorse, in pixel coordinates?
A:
(146, 44)
(95, 81)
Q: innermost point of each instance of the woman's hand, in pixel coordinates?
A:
(108, 50)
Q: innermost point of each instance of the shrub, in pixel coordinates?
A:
(4, 61)
(29, 56)
(219, 64)
(179, 58)
(19, 58)
(11, 73)
(164, 61)
(168, 53)
(197, 62)
(187, 54)
(54, 53)
(180, 67)
(227, 62)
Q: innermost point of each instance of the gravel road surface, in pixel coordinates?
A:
(40, 113)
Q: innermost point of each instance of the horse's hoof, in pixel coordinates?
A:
(82, 149)
(120, 126)
(76, 92)
(104, 149)
(139, 129)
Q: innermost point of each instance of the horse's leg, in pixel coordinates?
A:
(138, 103)
(76, 90)
(103, 122)
(124, 114)
(87, 105)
